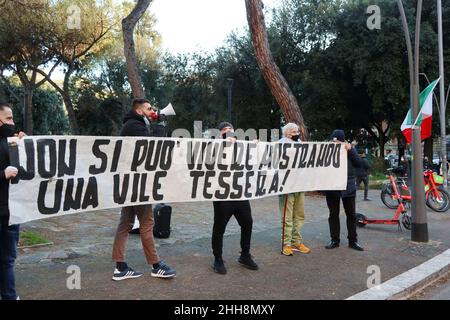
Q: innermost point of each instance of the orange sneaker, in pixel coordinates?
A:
(301, 248)
(287, 251)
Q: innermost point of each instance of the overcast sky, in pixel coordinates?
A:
(189, 25)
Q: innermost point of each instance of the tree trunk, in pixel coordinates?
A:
(68, 101)
(128, 25)
(381, 142)
(71, 114)
(270, 71)
(28, 111)
(428, 148)
(29, 85)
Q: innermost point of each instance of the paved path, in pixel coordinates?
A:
(85, 240)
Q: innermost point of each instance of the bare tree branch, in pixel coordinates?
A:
(46, 77)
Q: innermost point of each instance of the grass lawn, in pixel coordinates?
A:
(377, 176)
(31, 238)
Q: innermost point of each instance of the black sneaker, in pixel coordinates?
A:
(128, 273)
(219, 266)
(247, 262)
(163, 271)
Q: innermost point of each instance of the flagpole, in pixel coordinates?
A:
(419, 230)
(408, 47)
(442, 93)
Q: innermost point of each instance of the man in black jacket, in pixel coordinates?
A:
(9, 235)
(348, 198)
(134, 125)
(223, 211)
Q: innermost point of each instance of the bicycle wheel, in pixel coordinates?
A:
(386, 197)
(439, 205)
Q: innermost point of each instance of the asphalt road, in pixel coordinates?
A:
(85, 241)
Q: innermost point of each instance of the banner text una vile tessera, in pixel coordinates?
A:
(69, 174)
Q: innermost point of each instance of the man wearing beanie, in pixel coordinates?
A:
(223, 210)
(347, 196)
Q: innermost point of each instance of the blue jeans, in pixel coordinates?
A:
(9, 237)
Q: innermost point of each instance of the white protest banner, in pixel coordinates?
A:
(69, 174)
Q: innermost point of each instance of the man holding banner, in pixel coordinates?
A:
(223, 210)
(134, 125)
(348, 198)
(9, 235)
(292, 206)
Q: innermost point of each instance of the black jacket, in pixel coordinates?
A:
(4, 184)
(363, 171)
(353, 161)
(134, 126)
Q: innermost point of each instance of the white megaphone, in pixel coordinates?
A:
(168, 111)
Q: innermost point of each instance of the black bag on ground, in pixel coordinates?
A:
(161, 214)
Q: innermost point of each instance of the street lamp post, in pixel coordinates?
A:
(419, 230)
(230, 88)
(442, 93)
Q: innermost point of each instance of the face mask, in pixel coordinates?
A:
(7, 130)
(228, 134)
(296, 137)
(147, 122)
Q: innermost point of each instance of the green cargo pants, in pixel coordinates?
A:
(292, 210)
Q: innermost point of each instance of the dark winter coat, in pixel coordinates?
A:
(4, 183)
(363, 171)
(353, 161)
(134, 126)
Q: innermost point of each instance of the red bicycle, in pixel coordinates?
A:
(437, 198)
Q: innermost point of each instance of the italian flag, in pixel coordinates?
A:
(424, 119)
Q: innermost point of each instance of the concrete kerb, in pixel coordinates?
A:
(406, 284)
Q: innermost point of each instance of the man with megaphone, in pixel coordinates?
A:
(156, 125)
(134, 125)
(157, 121)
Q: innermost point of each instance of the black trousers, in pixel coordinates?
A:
(349, 207)
(223, 210)
(365, 180)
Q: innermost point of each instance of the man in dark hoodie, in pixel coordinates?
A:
(134, 125)
(348, 198)
(9, 234)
